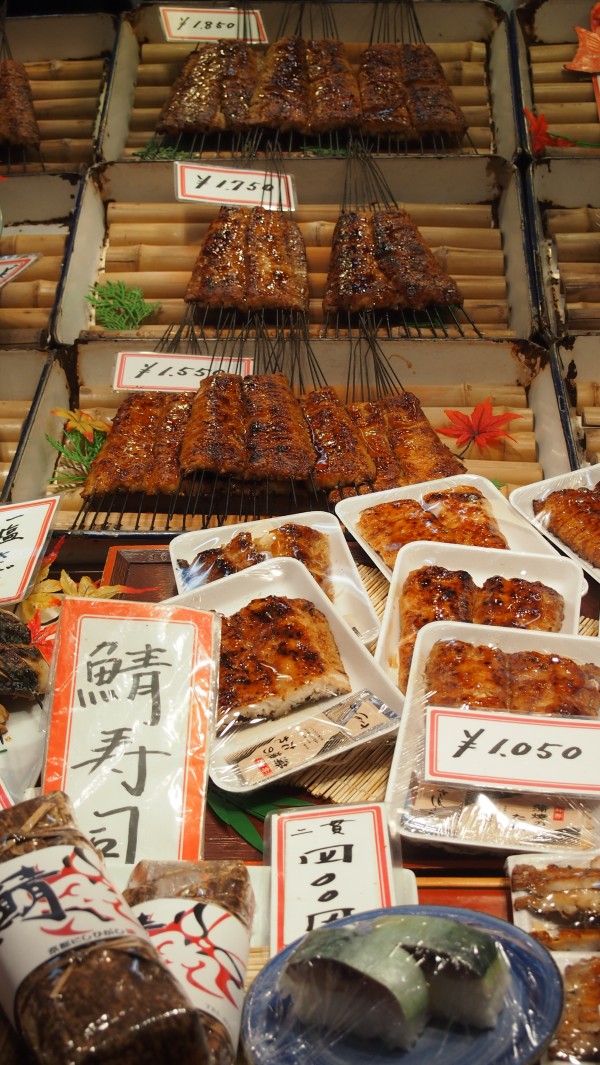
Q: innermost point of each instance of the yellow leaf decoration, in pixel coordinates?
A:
(82, 421)
(67, 584)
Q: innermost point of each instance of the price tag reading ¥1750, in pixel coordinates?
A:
(212, 24)
(231, 185)
(151, 371)
(13, 265)
(24, 528)
(513, 752)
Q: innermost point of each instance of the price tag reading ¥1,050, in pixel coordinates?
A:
(13, 265)
(212, 24)
(24, 529)
(513, 752)
(151, 371)
(231, 185)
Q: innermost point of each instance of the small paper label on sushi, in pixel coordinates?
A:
(213, 24)
(151, 371)
(512, 752)
(13, 265)
(24, 529)
(325, 865)
(270, 189)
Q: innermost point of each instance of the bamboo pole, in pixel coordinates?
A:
(588, 394)
(10, 429)
(571, 115)
(67, 150)
(551, 53)
(578, 247)
(518, 473)
(175, 52)
(477, 216)
(65, 69)
(591, 416)
(70, 129)
(28, 294)
(583, 291)
(579, 271)
(7, 450)
(547, 72)
(23, 318)
(59, 110)
(563, 92)
(592, 440)
(46, 268)
(459, 261)
(26, 243)
(579, 131)
(571, 220)
(14, 408)
(584, 315)
(64, 90)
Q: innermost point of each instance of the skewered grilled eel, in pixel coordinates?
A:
(342, 455)
(18, 124)
(125, 460)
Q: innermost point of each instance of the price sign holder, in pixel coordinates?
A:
(24, 530)
(197, 183)
(513, 752)
(212, 24)
(151, 371)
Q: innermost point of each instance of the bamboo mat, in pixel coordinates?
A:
(565, 99)
(66, 101)
(575, 236)
(464, 65)
(26, 303)
(12, 419)
(154, 246)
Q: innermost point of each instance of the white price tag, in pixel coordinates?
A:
(232, 185)
(13, 265)
(326, 863)
(24, 529)
(129, 724)
(212, 24)
(151, 371)
(513, 752)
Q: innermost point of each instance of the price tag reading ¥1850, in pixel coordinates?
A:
(513, 752)
(231, 185)
(13, 265)
(24, 528)
(151, 371)
(212, 24)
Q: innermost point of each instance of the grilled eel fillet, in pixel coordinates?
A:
(219, 273)
(193, 105)
(409, 264)
(278, 441)
(421, 455)
(334, 100)
(419, 63)
(18, 124)
(280, 98)
(216, 562)
(383, 93)
(238, 81)
(276, 654)
(433, 109)
(431, 593)
(369, 418)
(578, 1035)
(214, 436)
(307, 545)
(165, 475)
(517, 603)
(125, 460)
(276, 264)
(355, 280)
(573, 516)
(342, 454)
(389, 526)
(466, 516)
(529, 682)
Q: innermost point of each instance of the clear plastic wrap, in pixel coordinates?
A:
(296, 684)
(81, 980)
(405, 986)
(556, 900)
(519, 817)
(206, 944)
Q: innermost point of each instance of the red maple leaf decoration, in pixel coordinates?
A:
(42, 636)
(480, 427)
(541, 138)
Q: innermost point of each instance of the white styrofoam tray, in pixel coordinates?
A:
(481, 562)
(515, 529)
(522, 501)
(349, 595)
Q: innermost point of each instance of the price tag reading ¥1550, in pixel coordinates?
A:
(513, 752)
(212, 24)
(231, 185)
(24, 528)
(151, 371)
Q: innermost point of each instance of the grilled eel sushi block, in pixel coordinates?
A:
(431, 593)
(573, 516)
(466, 516)
(333, 96)
(278, 441)
(277, 654)
(458, 673)
(280, 98)
(18, 124)
(342, 454)
(409, 263)
(126, 458)
(290, 540)
(517, 603)
(577, 1038)
(251, 259)
(421, 454)
(212, 91)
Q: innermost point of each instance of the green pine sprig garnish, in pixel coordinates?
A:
(84, 435)
(118, 306)
(155, 150)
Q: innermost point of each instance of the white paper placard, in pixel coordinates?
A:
(327, 862)
(5, 799)
(13, 265)
(513, 752)
(212, 24)
(151, 371)
(234, 185)
(24, 529)
(129, 725)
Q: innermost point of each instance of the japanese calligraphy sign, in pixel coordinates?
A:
(212, 23)
(327, 863)
(129, 725)
(164, 372)
(13, 265)
(223, 184)
(514, 752)
(24, 529)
